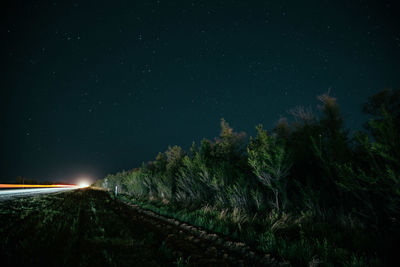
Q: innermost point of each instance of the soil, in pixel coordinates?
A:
(87, 227)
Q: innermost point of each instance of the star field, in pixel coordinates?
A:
(93, 87)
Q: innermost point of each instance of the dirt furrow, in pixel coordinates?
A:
(203, 247)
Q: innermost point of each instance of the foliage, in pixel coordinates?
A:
(308, 193)
(271, 164)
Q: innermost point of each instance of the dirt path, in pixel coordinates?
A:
(89, 228)
(204, 248)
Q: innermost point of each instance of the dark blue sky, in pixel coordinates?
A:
(93, 87)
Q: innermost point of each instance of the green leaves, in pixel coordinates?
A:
(270, 163)
(372, 177)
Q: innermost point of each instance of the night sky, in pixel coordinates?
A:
(92, 87)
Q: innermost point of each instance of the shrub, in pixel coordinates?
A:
(271, 165)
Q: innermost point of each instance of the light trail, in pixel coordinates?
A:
(37, 186)
(6, 194)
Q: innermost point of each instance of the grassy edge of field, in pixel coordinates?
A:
(42, 220)
(286, 238)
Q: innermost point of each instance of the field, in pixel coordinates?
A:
(79, 228)
(88, 227)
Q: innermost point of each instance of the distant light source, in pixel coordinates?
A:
(83, 184)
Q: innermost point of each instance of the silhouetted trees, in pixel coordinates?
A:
(308, 165)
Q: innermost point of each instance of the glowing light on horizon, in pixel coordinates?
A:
(83, 184)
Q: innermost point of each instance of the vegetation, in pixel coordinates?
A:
(77, 228)
(307, 192)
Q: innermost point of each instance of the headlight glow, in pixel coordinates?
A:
(83, 184)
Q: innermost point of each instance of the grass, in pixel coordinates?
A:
(79, 228)
(302, 240)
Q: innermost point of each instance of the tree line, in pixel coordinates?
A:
(311, 163)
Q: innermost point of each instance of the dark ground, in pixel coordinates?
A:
(89, 228)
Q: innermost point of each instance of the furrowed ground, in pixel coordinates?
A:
(87, 227)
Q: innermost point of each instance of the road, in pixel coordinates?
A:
(10, 193)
